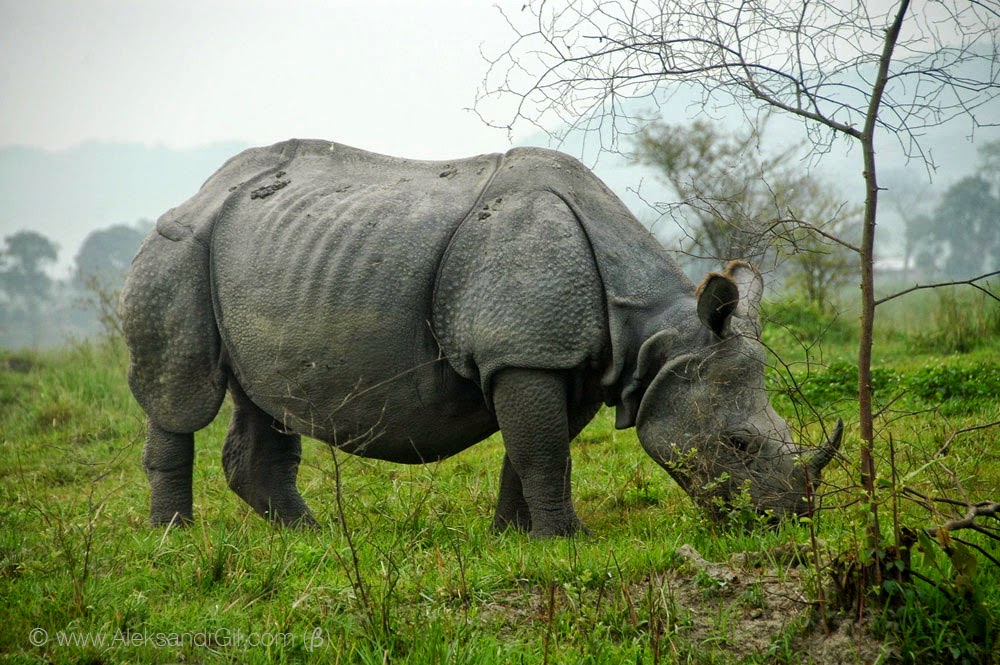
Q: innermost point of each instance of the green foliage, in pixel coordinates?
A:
(960, 322)
(955, 388)
(431, 583)
(790, 321)
(939, 617)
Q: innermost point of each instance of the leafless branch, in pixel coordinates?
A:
(973, 511)
(960, 282)
(576, 62)
(815, 229)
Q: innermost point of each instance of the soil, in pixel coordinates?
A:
(752, 605)
(765, 604)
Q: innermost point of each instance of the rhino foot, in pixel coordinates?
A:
(261, 463)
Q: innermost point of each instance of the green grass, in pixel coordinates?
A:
(418, 577)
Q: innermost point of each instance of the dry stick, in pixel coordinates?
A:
(981, 550)
(814, 545)
(896, 531)
(951, 437)
(551, 619)
(961, 282)
(356, 581)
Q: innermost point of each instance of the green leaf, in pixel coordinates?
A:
(929, 550)
(964, 561)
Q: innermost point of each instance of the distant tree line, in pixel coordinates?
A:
(959, 236)
(39, 310)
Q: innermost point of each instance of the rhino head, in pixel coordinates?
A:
(704, 413)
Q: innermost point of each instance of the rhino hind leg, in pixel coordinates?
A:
(261, 463)
(535, 490)
(512, 510)
(175, 372)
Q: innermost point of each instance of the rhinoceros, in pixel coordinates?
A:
(406, 310)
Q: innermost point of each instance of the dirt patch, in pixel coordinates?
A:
(751, 606)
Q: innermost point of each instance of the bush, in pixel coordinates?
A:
(955, 388)
(805, 322)
(839, 381)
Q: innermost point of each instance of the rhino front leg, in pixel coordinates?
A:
(512, 509)
(531, 411)
(261, 463)
(169, 462)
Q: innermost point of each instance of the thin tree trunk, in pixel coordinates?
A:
(867, 425)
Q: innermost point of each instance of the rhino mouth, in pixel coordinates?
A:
(784, 478)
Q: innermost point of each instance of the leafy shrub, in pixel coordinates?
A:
(839, 381)
(956, 388)
(805, 321)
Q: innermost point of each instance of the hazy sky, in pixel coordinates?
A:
(389, 76)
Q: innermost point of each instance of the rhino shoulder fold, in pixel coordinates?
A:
(518, 288)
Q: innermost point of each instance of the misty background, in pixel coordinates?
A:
(115, 112)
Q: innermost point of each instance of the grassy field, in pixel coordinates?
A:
(405, 568)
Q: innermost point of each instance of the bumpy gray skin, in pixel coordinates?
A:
(406, 310)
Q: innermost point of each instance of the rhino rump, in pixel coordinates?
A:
(175, 369)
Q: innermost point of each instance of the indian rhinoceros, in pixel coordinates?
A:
(405, 310)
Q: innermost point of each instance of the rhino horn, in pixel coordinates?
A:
(827, 451)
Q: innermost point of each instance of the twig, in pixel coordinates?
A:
(979, 549)
(987, 509)
(946, 446)
(961, 282)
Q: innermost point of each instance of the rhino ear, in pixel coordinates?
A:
(751, 289)
(718, 297)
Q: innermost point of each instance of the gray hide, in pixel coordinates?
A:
(406, 310)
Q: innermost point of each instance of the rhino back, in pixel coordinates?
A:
(322, 278)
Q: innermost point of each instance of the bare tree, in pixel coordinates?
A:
(734, 201)
(858, 71)
(728, 193)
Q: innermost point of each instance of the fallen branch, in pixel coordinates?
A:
(973, 512)
(982, 509)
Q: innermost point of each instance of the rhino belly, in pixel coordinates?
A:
(323, 303)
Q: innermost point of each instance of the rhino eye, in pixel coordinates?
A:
(738, 442)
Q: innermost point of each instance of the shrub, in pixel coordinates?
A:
(955, 388)
(805, 321)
